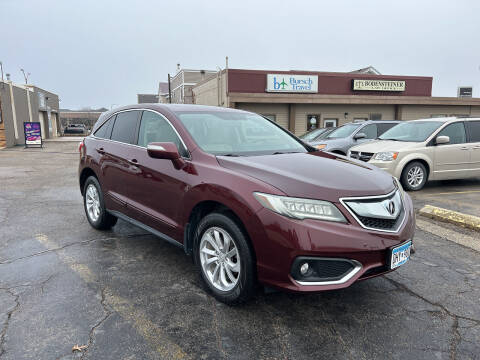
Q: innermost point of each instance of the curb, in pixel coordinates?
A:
(449, 216)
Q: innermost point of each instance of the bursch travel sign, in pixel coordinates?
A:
(292, 83)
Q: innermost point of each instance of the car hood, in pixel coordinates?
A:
(385, 145)
(315, 175)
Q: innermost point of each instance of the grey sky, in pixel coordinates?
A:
(102, 52)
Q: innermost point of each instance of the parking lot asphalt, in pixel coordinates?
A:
(126, 294)
(457, 195)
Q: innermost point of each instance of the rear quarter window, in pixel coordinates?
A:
(105, 130)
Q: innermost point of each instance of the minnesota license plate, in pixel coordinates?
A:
(400, 255)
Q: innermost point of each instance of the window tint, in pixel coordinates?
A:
(456, 133)
(474, 130)
(370, 131)
(106, 129)
(125, 127)
(154, 128)
(384, 127)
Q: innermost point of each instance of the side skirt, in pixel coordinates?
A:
(145, 227)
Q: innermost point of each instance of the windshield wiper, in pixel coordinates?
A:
(389, 139)
(284, 152)
(231, 155)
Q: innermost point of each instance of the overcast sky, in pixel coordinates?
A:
(96, 53)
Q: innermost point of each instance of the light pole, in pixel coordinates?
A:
(28, 93)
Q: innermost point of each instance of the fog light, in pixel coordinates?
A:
(304, 268)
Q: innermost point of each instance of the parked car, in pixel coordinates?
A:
(316, 134)
(78, 129)
(351, 134)
(247, 209)
(426, 149)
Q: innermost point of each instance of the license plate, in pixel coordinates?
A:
(400, 255)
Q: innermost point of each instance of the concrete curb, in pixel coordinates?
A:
(449, 216)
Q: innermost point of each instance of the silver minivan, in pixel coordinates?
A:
(426, 149)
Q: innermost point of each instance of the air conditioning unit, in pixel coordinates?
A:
(465, 92)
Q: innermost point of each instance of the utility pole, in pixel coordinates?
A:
(28, 94)
(169, 90)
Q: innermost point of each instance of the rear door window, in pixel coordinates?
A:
(125, 127)
(474, 131)
(105, 130)
(456, 133)
(370, 131)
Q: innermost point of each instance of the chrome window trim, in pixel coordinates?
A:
(346, 199)
(352, 273)
(138, 146)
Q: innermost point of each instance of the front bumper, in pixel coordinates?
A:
(389, 166)
(283, 240)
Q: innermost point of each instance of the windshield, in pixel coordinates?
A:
(312, 134)
(414, 131)
(238, 134)
(343, 131)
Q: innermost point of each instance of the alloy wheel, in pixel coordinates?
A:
(92, 201)
(415, 176)
(219, 258)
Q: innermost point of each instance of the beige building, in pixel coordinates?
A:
(184, 80)
(301, 100)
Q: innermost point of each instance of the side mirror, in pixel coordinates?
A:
(359, 136)
(442, 140)
(166, 150)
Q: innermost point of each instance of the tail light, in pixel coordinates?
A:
(81, 148)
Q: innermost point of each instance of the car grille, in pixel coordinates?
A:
(364, 156)
(372, 212)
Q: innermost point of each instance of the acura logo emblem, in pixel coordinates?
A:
(391, 207)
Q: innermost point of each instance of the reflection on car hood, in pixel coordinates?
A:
(315, 175)
(386, 145)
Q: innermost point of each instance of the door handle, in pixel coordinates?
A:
(133, 162)
(476, 147)
(100, 150)
(464, 148)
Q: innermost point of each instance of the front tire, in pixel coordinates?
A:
(224, 259)
(414, 176)
(94, 206)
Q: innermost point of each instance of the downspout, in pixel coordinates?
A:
(28, 102)
(227, 98)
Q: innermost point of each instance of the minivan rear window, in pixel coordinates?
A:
(474, 127)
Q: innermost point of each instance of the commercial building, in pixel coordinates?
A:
(300, 100)
(184, 80)
(87, 118)
(26, 103)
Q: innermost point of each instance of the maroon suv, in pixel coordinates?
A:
(250, 201)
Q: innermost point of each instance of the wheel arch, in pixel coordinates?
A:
(421, 160)
(84, 175)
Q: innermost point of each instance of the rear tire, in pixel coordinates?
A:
(94, 206)
(224, 259)
(414, 176)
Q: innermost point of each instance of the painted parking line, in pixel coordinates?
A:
(453, 192)
(154, 336)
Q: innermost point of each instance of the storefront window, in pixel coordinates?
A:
(313, 122)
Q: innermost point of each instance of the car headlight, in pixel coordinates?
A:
(386, 156)
(321, 146)
(298, 208)
(399, 186)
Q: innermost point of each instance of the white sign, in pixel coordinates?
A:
(292, 83)
(379, 85)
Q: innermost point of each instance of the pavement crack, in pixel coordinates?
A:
(47, 251)
(3, 333)
(91, 336)
(455, 339)
(217, 332)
